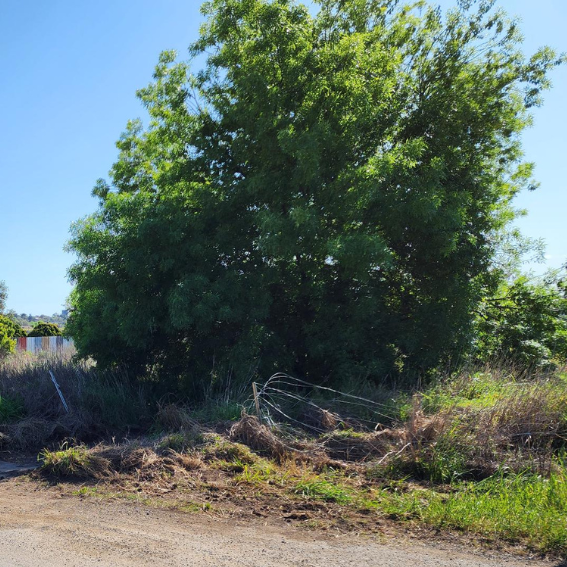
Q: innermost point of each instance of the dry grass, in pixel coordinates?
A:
(75, 461)
(29, 432)
(172, 417)
(259, 437)
(478, 453)
(478, 424)
(468, 427)
(144, 463)
(100, 403)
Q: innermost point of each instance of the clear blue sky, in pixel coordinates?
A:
(70, 72)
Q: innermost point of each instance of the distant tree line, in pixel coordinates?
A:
(12, 325)
(29, 320)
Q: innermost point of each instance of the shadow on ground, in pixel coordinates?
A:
(10, 470)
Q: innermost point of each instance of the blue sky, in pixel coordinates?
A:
(71, 70)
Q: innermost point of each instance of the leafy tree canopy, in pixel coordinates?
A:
(45, 330)
(9, 330)
(324, 198)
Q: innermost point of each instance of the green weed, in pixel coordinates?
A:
(262, 472)
(520, 507)
(322, 489)
(215, 411)
(222, 450)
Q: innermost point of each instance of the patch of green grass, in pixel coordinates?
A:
(348, 434)
(88, 491)
(262, 472)
(483, 390)
(517, 508)
(442, 462)
(322, 489)
(68, 461)
(74, 461)
(214, 411)
(180, 442)
(180, 505)
(478, 390)
(222, 450)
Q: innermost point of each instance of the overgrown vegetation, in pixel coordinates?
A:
(100, 403)
(472, 456)
(525, 322)
(9, 331)
(480, 452)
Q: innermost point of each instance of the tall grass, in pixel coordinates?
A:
(473, 424)
(514, 507)
(100, 403)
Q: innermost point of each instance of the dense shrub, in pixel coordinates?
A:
(45, 330)
(9, 330)
(525, 323)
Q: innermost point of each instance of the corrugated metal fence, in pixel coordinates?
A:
(37, 344)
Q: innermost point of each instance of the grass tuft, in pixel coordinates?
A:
(74, 461)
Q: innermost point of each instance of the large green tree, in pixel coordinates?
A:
(323, 198)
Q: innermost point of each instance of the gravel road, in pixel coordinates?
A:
(40, 527)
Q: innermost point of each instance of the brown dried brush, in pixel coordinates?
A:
(30, 432)
(257, 436)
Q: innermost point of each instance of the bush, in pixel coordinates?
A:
(525, 323)
(7, 344)
(9, 330)
(45, 330)
(13, 329)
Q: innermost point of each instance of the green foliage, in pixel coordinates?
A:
(519, 507)
(324, 198)
(226, 451)
(214, 412)
(9, 330)
(25, 320)
(525, 322)
(45, 330)
(181, 441)
(73, 461)
(7, 344)
(322, 489)
(13, 329)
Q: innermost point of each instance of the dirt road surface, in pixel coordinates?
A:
(40, 527)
